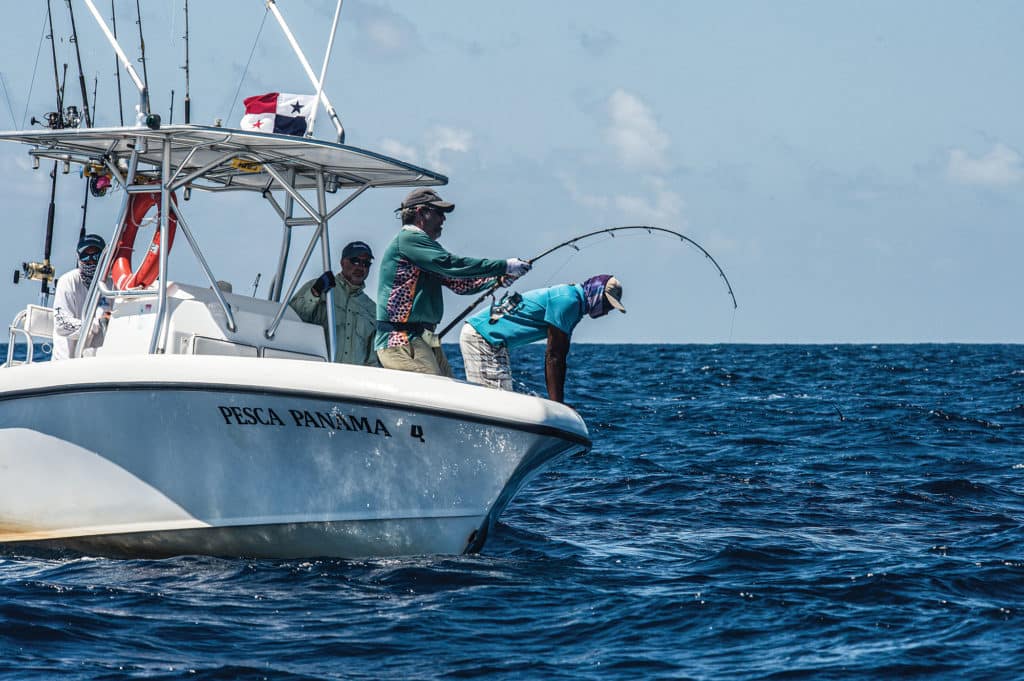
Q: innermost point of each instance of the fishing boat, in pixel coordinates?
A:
(210, 422)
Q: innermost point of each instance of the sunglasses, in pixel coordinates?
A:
(90, 257)
(365, 262)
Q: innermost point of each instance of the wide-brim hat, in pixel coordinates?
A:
(613, 293)
(426, 197)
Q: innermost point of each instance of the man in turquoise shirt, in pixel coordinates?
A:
(550, 313)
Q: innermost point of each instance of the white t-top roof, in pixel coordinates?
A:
(195, 146)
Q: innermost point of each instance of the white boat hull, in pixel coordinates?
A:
(168, 455)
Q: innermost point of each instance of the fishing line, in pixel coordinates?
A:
(32, 83)
(234, 100)
(7, 96)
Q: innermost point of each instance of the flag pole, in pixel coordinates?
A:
(323, 70)
(272, 6)
(143, 106)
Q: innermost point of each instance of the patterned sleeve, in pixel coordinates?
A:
(65, 323)
(467, 286)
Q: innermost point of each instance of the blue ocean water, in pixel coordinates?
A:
(747, 512)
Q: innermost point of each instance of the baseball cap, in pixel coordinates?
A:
(613, 292)
(357, 248)
(424, 196)
(90, 241)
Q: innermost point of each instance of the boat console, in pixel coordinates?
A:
(196, 325)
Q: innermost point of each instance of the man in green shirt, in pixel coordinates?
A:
(413, 269)
(354, 312)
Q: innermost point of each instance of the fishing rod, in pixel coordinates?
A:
(142, 45)
(81, 74)
(188, 97)
(89, 186)
(117, 65)
(85, 107)
(44, 271)
(52, 121)
(571, 243)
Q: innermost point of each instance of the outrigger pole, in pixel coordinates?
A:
(143, 107)
(317, 83)
(323, 69)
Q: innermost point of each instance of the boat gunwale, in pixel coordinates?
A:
(192, 386)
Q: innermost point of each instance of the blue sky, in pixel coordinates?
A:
(855, 168)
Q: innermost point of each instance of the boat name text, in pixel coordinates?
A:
(332, 420)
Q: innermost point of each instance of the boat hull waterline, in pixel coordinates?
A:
(186, 461)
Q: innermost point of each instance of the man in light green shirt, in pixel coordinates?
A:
(354, 312)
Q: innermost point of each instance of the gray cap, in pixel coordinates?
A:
(426, 197)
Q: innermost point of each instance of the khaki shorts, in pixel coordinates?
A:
(420, 356)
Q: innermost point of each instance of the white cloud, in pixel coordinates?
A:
(634, 134)
(383, 33)
(664, 206)
(580, 197)
(998, 168)
(439, 142)
(443, 139)
(396, 149)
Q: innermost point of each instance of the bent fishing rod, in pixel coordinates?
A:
(571, 243)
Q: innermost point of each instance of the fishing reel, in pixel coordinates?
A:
(36, 271)
(56, 120)
(99, 179)
(506, 305)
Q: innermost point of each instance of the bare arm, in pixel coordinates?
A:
(555, 364)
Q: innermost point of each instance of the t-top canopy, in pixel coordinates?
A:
(242, 156)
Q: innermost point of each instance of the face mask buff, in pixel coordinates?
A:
(593, 292)
(88, 270)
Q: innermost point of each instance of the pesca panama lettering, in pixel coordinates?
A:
(333, 420)
(250, 416)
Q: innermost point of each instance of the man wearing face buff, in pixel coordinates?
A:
(69, 299)
(550, 313)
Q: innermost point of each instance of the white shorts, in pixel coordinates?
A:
(485, 364)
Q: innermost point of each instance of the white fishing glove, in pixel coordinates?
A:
(516, 268)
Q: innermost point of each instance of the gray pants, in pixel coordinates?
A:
(485, 364)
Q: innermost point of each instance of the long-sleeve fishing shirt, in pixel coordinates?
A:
(354, 319)
(68, 301)
(413, 269)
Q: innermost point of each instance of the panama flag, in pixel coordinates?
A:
(278, 112)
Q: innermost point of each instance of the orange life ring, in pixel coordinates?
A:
(121, 271)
